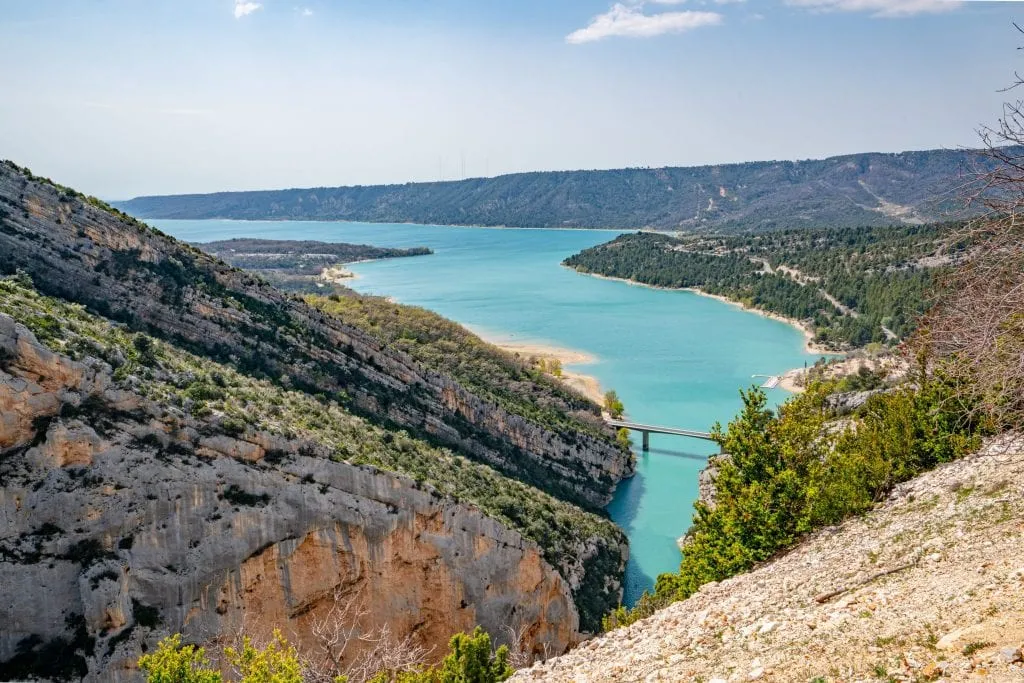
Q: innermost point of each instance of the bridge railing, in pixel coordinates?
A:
(646, 430)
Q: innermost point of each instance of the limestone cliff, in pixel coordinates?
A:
(123, 521)
(76, 249)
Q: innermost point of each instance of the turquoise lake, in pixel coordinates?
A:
(675, 358)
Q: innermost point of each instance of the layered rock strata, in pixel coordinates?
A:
(122, 523)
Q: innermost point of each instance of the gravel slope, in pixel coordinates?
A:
(952, 608)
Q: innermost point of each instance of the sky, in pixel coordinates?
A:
(120, 98)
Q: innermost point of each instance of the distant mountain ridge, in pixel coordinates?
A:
(852, 190)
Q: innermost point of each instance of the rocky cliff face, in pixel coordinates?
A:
(122, 522)
(128, 272)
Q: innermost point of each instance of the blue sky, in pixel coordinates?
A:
(127, 97)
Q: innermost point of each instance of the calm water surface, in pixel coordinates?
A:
(675, 358)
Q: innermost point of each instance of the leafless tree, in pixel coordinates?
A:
(386, 653)
(519, 656)
(333, 632)
(977, 324)
(342, 649)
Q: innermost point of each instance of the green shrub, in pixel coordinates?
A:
(145, 615)
(613, 404)
(174, 663)
(87, 552)
(470, 660)
(237, 496)
(790, 473)
(278, 662)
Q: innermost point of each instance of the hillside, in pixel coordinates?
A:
(132, 274)
(853, 190)
(952, 608)
(185, 449)
(849, 286)
(149, 491)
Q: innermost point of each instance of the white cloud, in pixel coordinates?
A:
(306, 12)
(243, 7)
(880, 8)
(630, 21)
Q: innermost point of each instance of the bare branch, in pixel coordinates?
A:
(342, 649)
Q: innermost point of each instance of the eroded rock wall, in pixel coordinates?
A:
(122, 523)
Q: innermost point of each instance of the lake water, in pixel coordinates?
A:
(675, 358)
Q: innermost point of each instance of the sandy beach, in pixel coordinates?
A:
(793, 381)
(525, 349)
(584, 384)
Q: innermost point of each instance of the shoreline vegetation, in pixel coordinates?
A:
(852, 287)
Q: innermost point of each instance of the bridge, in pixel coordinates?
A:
(647, 430)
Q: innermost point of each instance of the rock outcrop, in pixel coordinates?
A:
(122, 523)
(928, 586)
(706, 489)
(77, 250)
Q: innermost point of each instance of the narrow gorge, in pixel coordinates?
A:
(185, 449)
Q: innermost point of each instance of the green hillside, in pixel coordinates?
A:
(852, 286)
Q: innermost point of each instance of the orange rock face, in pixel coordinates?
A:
(325, 547)
(400, 582)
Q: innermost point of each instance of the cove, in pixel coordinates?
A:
(675, 358)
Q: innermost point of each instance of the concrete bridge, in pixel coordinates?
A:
(647, 430)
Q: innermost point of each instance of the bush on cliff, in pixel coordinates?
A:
(470, 660)
(176, 663)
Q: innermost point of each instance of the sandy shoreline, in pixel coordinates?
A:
(587, 385)
(528, 349)
(584, 384)
(793, 381)
(809, 344)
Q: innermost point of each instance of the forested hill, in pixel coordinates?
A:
(852, 286)
(844, 191)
